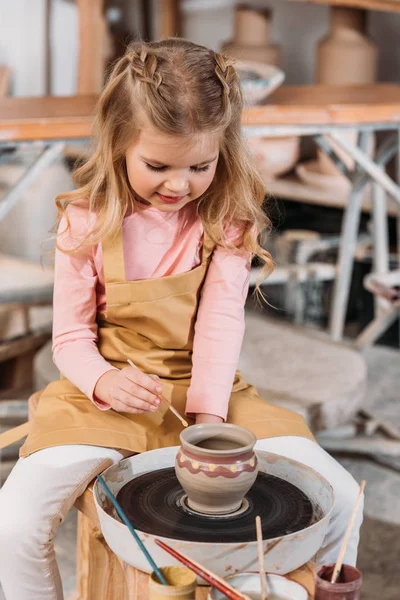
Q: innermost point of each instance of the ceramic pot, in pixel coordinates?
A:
(216, 465)
(251, 37)
(278, 587)
(347, 55)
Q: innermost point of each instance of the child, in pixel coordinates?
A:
(152, 264)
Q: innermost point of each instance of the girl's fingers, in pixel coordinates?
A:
(145, 381)
(135, 390)
(119, 406)
(134, 401)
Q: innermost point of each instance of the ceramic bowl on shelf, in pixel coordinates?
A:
(249, 584)
(274, 156)
(258, 80)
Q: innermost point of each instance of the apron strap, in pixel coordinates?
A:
(208, 247)
(113, 259)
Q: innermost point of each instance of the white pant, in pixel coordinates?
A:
(44, 486)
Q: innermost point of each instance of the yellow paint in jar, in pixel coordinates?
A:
(181, 584)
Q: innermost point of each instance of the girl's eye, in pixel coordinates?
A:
(200, 169)
(156, 169)
(193, 169)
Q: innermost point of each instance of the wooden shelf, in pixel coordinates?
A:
(292, 188)
(308, 105)
(69, 117)
(385, 5)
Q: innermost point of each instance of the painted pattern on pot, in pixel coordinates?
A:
(213, 466)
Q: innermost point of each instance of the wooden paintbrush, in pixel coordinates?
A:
(339, 561)
(263, 577)
(163, 398)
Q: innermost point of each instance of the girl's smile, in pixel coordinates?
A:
(169, 171)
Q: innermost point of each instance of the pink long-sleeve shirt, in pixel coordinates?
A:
(155, 244)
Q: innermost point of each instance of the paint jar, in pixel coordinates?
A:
(347, 586)
(181, 584)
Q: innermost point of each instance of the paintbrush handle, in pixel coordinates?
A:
(173, 410)
(339, 561)
(163, 398)
(263, 579)
(125, 519)
(213, 579)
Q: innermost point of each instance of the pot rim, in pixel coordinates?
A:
(207, 429)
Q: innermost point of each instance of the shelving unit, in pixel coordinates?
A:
(384, 5)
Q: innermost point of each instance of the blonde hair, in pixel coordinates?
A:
(180, 88)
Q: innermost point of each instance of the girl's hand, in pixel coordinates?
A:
(206, 418)
(129, 390)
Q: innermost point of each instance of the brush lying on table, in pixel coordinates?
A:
(163, 398)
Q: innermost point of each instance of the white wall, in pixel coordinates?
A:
(22, 48)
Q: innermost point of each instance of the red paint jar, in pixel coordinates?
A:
(347, 586)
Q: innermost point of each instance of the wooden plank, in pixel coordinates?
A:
(5, 81)
(384, 5)
(328, 105)
(91, 59)
(72, 116)
(47, 118)
(171, 19)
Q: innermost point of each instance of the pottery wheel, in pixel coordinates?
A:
(153, 504)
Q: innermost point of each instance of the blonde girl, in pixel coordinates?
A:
(152, 265)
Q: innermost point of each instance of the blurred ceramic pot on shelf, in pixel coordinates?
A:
(275, 156)
(346, 56)
(216, 465)
(251, 37)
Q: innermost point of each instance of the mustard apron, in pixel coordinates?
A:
(151, 322)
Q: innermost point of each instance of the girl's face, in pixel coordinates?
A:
(168, 171)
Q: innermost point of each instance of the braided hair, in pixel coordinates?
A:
(181, 89)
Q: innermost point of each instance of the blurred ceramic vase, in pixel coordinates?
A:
(251, 40)
(346, 56)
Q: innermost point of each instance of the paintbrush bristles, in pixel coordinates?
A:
(163, 398)
(342, 552)
(263, 578)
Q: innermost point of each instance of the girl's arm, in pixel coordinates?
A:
(219, 334)
(78, 295)
(75, 351)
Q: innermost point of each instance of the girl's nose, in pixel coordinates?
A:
(177, 185)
